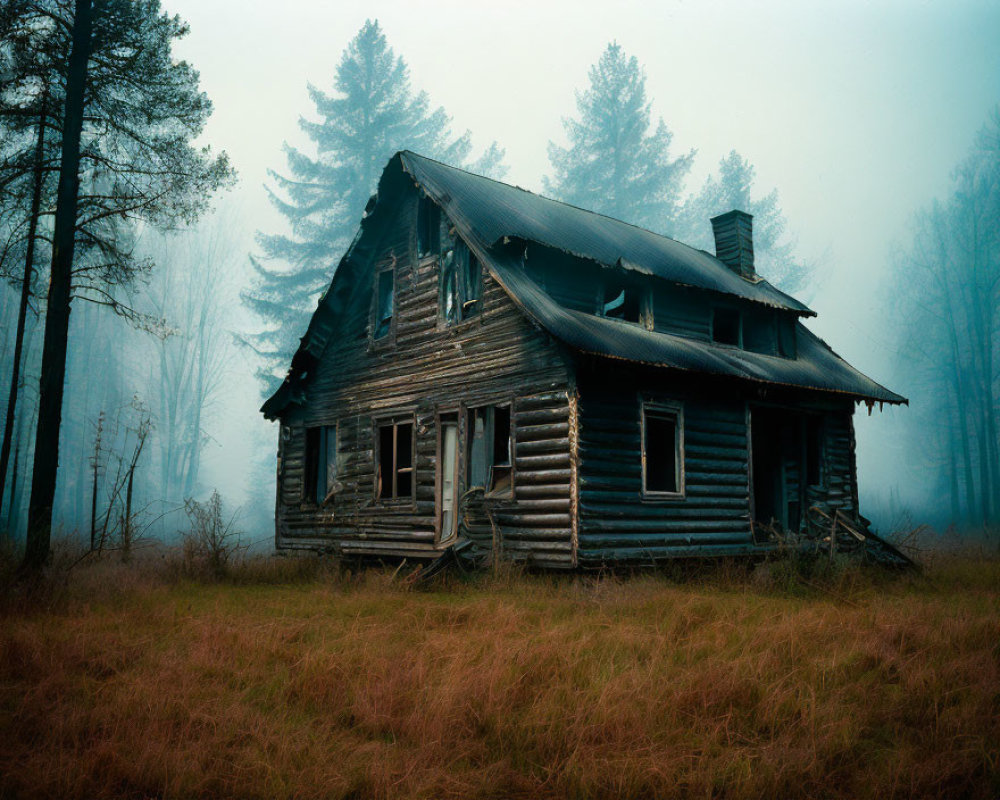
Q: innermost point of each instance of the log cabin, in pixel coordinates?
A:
(555, 386)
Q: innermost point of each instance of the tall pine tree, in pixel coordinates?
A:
(373, 113)
(733, 187)
(614, 163)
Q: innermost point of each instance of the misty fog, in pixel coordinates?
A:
(858, 115)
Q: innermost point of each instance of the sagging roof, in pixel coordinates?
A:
(492, 210)
(487, 212)
(815, 366)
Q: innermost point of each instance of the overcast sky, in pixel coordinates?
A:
(856, 112)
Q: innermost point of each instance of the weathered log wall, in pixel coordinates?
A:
(421, 370)
(616, 523)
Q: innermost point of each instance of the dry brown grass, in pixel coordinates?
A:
(135, 683)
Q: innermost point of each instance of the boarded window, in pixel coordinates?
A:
(461, 284)
(384, 302)
(622, 302)
(726, 326)
(321, 463)
(490, 463)
(428, 228)
(661, 450)
(394, 472)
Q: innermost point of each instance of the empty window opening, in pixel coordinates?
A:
(428, 228)
(758, 333)
(490, 462)
(321, 463)
(661, 451)
(461, 284)
(384, 291)
(622, 302)
(394, 476)
(726, 326)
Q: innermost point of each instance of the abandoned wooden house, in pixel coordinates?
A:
(557, 386)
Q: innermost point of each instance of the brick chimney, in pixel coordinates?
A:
(734, 241)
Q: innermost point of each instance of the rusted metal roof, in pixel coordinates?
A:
(492, 210)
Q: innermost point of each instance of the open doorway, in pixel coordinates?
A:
(786, 448)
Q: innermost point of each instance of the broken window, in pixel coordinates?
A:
(321, 463)
(428, 228)
(384, 291)
(726, 326)
(621, 302)
(490, 462)
(394, 472)
(786, 337)
(662, 464)
(461, 284)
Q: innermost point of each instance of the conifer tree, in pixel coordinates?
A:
(615, 164)
(733, 188)
(372, 113)
(126, 113)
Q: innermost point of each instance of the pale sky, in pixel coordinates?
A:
(856, 112)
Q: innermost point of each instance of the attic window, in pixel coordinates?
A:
(384, 291)
(621, 302)
(428, 228)
(461, 284)
(786, 337)
(490, 463)
(726, 326)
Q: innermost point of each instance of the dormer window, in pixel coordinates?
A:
(786, 337)
(461, 284)
(384, 302)
(726, 326)
(621, 302)
(428, 228)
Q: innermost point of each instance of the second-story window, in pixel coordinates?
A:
(726, 326)
(621, 302)
(384, 302)
(428, 228)
(461, 284)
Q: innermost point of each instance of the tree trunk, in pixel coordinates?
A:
(22, 311)
(46, 465)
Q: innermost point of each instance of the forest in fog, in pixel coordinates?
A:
(139, 303)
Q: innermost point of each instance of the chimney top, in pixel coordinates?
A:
(734, 241)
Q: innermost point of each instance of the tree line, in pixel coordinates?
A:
(945, 295)
(100, 185)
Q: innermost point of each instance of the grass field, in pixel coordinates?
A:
(131, 682)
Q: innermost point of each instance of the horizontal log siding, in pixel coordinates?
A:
(616, 523)
(494, 357)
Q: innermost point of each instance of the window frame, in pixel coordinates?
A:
(663, 408)
(645, 298)
(489, 436)
(316, 462)
(390, 333)
(462, 280)
(394, 421)
(432, 224)
(739, 326)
